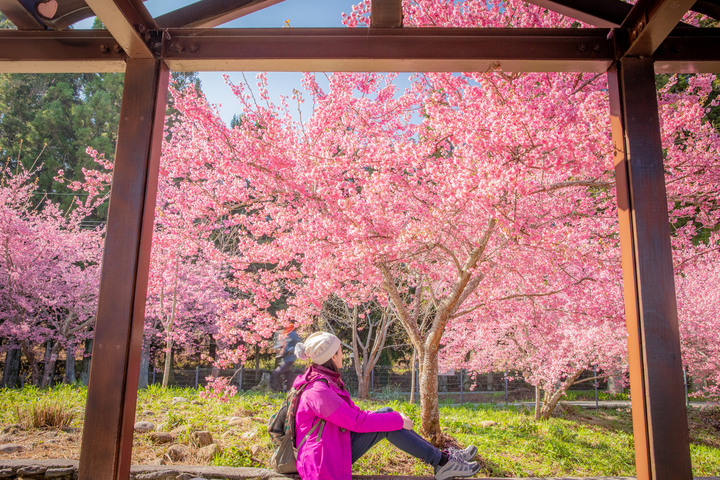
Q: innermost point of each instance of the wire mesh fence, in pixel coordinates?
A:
(384, 382)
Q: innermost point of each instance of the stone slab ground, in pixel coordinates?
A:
(67, 470)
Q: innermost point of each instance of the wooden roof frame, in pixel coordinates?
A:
(629, 42)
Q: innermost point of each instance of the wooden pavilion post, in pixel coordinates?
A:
(112, 393)
(656, 381)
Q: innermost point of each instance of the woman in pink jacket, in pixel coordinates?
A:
(332, 432)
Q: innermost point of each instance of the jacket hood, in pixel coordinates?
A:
(317, 372)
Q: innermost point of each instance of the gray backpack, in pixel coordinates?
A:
(281, 427)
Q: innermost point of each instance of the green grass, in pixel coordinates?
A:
(576, 443)
(589, 395)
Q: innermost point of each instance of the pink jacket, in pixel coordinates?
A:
(330, 458)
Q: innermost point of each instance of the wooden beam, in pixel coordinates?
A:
(650, 22)
(129, 22)
(386, 14)
(112, 392)
(82, 51)
(211, 13)
(707, 7)
(404, 50)
(600, 13)
(656, 376)
(689, 50)
(20, 16)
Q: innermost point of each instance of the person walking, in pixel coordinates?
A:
(332, 432)
(285, 347)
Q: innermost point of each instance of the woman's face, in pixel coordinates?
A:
(337, 358)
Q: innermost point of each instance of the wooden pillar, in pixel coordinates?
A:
(112, 393)
(656, 379)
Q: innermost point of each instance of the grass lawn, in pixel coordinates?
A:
(511, 443)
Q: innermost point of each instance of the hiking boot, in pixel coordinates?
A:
(456, 467)
(467, 454)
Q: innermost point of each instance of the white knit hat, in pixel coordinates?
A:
(318, 347)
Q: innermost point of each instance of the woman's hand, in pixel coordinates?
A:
(407, 423)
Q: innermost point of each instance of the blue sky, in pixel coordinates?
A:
(300, 13)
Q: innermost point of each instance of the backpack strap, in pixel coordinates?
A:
(320, 424)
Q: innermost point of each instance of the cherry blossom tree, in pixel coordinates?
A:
(698, 304)
(552, 340)
(185, 287)
(370, 325)
(460, 193)
(50, 272)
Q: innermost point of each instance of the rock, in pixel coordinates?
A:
(32, 470)
(209, 452)
(488, 423)
(162, 475)
(7, 473)
(177, 452)
(144, 427)
(157, 461)
(59, 472)
(11, 448)
(148, 412)
(176, 400)
(12, 428)
(202, 439)
(161, 437)
(179, 431)
(255, 449)
(239, 421)
(249, 435)
(197, 402)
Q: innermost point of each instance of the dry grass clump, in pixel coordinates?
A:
(45, 415)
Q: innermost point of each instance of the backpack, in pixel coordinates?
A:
(281, 427)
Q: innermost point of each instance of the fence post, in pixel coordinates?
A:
(417, 380)
(595, 382)
(153, 376)
(506, 387)
(240, 380)
(687, 400)
(197, 376)
(462, 385)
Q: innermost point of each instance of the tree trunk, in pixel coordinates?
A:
(168, 361)
(144, 366)
(551, 399)
(11, 372)
(615, 384)
(70, 364)
(429, 409)
(29, 352)
(87, 357)
(50, 360)
(364, 384)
